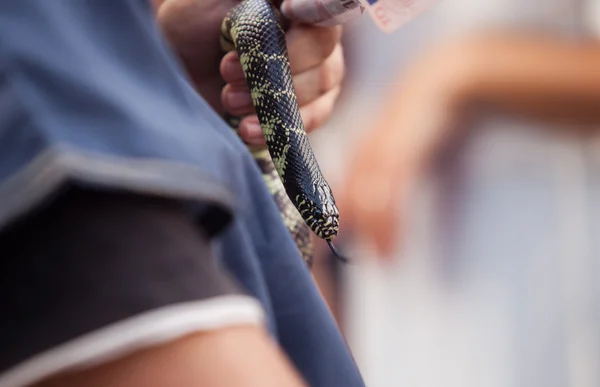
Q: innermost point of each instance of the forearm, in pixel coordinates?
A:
(540, 78)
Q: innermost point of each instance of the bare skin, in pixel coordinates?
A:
(237, 356)
(540, 78)
(316, 58)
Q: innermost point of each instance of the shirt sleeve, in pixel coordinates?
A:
(91, 91)
(95, 275)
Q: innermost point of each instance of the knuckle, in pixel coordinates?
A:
(308, 119)
(313, 118)
(340, 63)
(327, 77)
(326, 108)
(332, 71)
(327, 38)
(319, 112)
(225, 92)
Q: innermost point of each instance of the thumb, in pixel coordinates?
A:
(325, 13)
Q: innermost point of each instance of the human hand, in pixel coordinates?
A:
(316, 58)
(385, 166)
(317, 65)
(193, 28)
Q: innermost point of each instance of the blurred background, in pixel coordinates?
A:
(495, 285)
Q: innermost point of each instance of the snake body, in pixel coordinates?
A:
(254, 29)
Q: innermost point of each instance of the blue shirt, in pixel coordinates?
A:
(90, 92)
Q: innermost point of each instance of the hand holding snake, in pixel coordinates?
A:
(192, 28)
(316, 64)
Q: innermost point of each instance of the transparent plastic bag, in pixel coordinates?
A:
(390, 15)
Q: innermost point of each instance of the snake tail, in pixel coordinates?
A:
(254, 29)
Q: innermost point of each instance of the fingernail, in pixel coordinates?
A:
(239, 100)
(253, 132)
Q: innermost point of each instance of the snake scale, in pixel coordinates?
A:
(254, 29)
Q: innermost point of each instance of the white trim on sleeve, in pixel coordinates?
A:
(148, 329)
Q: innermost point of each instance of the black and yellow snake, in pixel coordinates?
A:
(254, 29)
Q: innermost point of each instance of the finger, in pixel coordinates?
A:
(376, 193)
(315, 82)
(231, 69)
(309, 46)
(313, 115)
(376, 211)
(309, 85)
(237, 100)
(316, 113)
(392, 218)
(303, 11)
(386, 235)
(250, 131)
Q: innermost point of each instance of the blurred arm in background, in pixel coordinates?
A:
(540, 78)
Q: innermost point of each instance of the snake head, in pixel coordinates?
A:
(320, 212)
